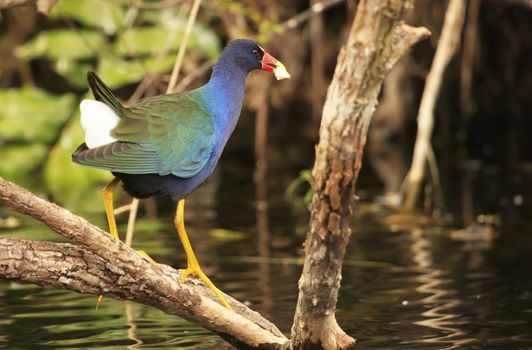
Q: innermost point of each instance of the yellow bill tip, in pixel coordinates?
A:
(280, 72)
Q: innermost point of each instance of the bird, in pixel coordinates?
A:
(169, 145)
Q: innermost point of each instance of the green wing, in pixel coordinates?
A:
(122, 157)
(168, 134)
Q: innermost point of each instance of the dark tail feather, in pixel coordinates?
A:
(103, 94)
(77, 153)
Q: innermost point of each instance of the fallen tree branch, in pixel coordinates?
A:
(100, 264)
(376, 41)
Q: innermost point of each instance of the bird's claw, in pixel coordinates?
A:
(144, 254)
(202, 276)
(100, 301)
(186, 272)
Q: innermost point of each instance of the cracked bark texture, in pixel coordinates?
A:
(376, 41)
(100, 264)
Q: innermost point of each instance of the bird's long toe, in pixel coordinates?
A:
(144, 254)
(197, 272)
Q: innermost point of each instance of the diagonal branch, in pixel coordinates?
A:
(101, 264)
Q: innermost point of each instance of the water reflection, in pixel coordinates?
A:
(132, 327)
(401, 290)
(442, 300)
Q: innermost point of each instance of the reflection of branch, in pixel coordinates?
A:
(101, 264)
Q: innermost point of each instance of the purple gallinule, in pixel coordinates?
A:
(170, 144)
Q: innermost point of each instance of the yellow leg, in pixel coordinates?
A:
(109, 212)
(193, 267)
(108, 191)
(108, 204)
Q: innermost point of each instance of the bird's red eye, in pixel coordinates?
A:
(255, 52)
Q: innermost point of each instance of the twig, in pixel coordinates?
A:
(317, 7)
(317, 64)
(133, 207)
(291, 23)
(447, 45)
(196, 73)
(436, 182)
(468, 55)
(156, 5)
(139, 91)
(183, 46)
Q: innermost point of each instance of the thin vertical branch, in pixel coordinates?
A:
(437, 194)
(183, 46)
(261, 142)
(133, 207)
(261, 135)
(468, 55)
(466, 82)
(317, 61)
(447, 46)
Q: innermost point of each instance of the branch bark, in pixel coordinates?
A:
(99, 264)
(376, 41)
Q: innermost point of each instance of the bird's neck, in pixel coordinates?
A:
(224, 96)
(226, 86)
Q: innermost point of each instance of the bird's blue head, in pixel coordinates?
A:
(248, 55)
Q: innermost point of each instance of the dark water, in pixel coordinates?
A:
(407, 288)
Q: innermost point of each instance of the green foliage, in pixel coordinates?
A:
(69, 183)
(223, 235)
(305, 177)
(62, 44)
(118, 73)
(149, 40)
(33, 115)
(29, 120)
(99, 14)
(20, 161)
(143, 42)
(120, 42)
